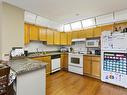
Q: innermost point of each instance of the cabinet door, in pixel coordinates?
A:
(82, 34)
(47, 59)
(89, 33)
(64, 61)
(87, 67)
(96, 66)
(50, 37)
(56, 38)
(107, 28)
(96, 70)
(69, 38)
(63, 38)
(97, 32)
(26, 34)
(75, 34)
(37, 58)
(34, 32)
(87, 64)
(42, 34)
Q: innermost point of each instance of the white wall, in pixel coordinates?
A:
(12, 34)
(32, 46)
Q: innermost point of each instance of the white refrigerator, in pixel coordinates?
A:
(114, 58)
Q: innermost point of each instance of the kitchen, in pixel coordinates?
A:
(76, 55)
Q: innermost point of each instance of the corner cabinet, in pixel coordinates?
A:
(50, 36)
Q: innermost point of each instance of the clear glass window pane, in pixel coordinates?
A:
(29, 17)
(67, 27)
(76, 25)
(88, 23)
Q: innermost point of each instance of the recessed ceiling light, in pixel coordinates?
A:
(77, 14)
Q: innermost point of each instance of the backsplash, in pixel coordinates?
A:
(34, 45)
(79, 47)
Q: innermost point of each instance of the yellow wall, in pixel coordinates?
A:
(12, 28)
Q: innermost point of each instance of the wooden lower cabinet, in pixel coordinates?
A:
(92, 66)
(96, 69)
(87, 64)
(46, 59)
(64, 61)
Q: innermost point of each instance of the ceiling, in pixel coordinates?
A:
(65, 11)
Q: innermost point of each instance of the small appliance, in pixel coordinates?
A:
(92, 43)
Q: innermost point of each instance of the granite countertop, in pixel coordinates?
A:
(92, 55)
(21, 66)
(41, 55)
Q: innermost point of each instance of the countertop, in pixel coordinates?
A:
(25, 65)
(92, 55)
(41, 55)
(54, 53)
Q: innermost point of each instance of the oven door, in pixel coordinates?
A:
(76, 60)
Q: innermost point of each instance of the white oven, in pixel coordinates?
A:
(75, 63)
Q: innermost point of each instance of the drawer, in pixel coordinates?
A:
(95, 58)
(87, 58)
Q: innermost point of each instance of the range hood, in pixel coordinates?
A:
(79, 40)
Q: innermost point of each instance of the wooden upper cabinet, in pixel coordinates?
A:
(63, 38)
(69, 38)
(26, 34)
(34, 32)
(42, 34)
(97, 31)
(56, 37)
(50, 36)
(107, 28)
(82, 34)
(89, 33)
(75, 34)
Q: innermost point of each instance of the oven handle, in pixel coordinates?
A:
(75, 66)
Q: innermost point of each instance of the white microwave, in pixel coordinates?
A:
(92, 43)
